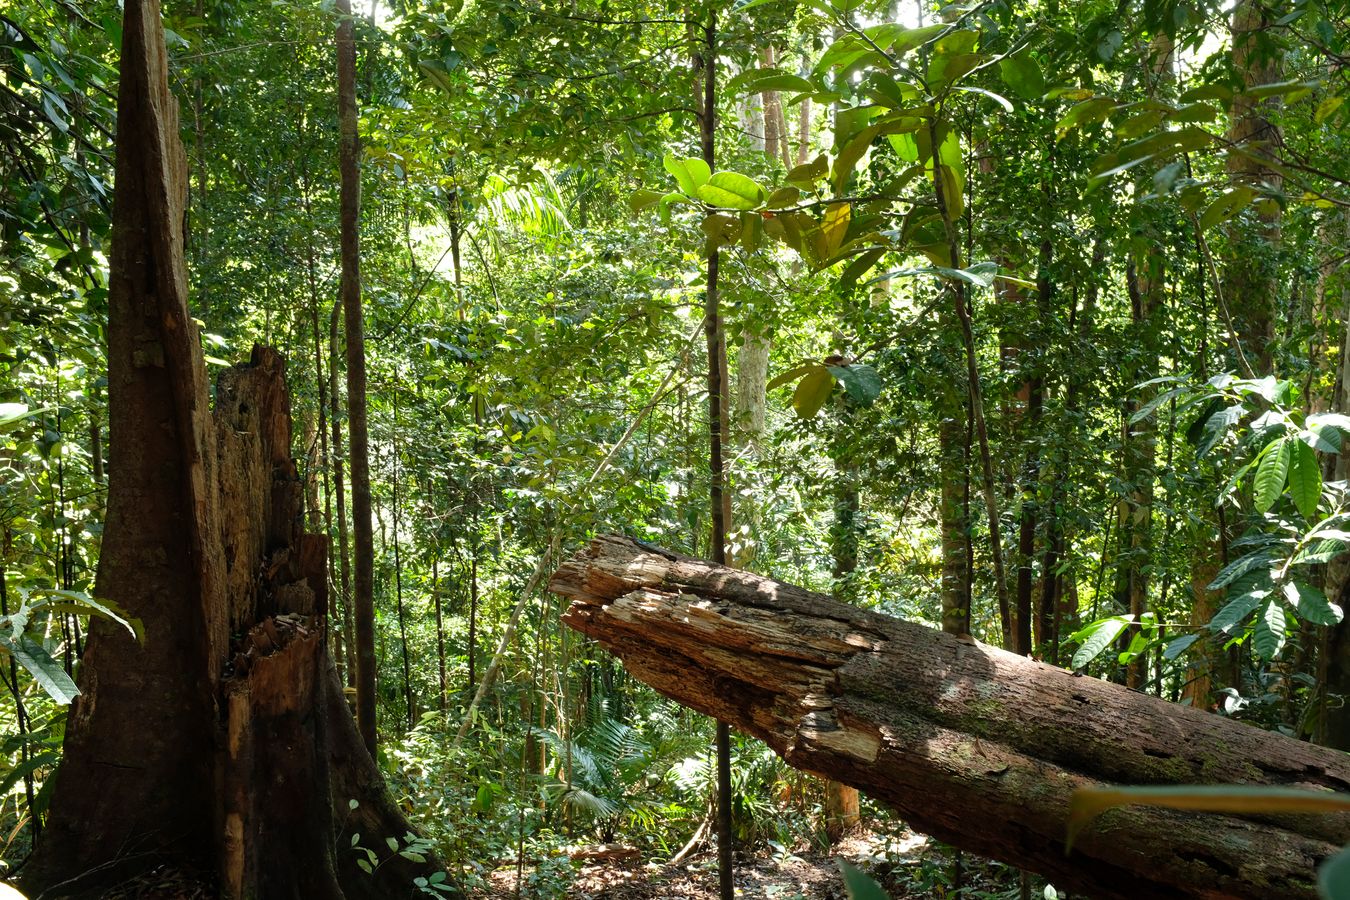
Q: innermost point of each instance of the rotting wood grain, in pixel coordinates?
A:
(974, 745)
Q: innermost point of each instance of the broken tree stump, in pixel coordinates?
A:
(973, 745)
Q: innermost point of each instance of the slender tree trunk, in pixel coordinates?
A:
(359, 443)
(340, 491)
(773, 134)
(953, 465)
(841, 800)
(719, 402)
(409, 709)
(957, 289)
(1139, 443)
(1335, 719)
(440, 633)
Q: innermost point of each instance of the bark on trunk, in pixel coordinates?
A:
(219, 743)
(363, 538)
(971, 744)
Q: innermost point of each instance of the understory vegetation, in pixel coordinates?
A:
(1035, 318)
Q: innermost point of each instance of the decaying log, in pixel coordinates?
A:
(971, 744)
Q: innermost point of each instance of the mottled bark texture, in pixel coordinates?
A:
(976, 746)
(219, 743)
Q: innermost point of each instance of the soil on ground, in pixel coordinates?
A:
(783, 876)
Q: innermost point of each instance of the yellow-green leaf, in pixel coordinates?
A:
(731, 190)
(690, 173)
(813, 391)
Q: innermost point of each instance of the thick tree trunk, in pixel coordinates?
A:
(219, 743)
(971, 744)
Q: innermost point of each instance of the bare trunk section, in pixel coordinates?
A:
(976, 746)
(1335, 724)
(340, 490)
(215, 744)
(1249, 277)
(752, 375)
(719, 419)
(1139, 451)
(954, 476)
(349, 165)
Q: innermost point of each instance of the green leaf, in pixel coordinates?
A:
(783, 197)
(813, 391)
(900, 40)
(1097, 637)
(997, 98)
(858, 885)
(833, 227)
(731, 190)
(861, 382)
(1268, 639)
(643, 199)
(690, 174)
(850, 154)
(1239, 567)
(1305, 480)
(1088, 112)
(668, 201)
(1312, 605)
(1270, 475)
(1178, 646)
(1323, 551)
(778, 82)
(953, 191)
(1226, 206)
(46, 671)
(1089, 802)
(805, 176)
(1325, 110)
(790, 375)
(1217, 426)
(1333, 876)
(1236, 611)
(1021, 73)
(12, 415)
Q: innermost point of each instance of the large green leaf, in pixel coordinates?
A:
(690, 173)
(1312, 605)
(12, 415)
(1270, 475)
(1235, 611)
(1021, 73)
(858, 885)
(1333, 877)
(1097, 637)
(1217, 427)
(813, 391)
(46, 671)
(731, 190)
(1324, 551)
(1226, 206)
(1305, 479)
(1271, 630)
(861, 382)
(900, 40)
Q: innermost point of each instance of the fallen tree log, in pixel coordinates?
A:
(973, 745)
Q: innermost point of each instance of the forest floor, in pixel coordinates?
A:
(796, 876)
